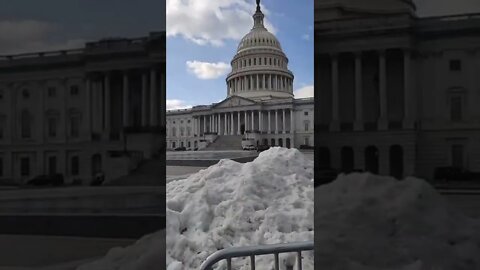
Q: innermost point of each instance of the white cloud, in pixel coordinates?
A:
(176, 104)
(206, 70)
(25, 36)
(211, 22)
(304, 92)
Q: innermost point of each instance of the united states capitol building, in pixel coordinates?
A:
(260, 104)
(82, 112)
(398, 94)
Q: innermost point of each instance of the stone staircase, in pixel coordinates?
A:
(227, 142)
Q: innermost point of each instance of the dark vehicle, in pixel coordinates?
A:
(98, 179)
(181, 148)
(451, 174)
(47, 180)
(304, 146)
(325, 176)
(261, 148)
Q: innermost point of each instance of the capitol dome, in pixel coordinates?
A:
(259, 37)
(260, 67)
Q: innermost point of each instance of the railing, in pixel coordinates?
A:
(41, 54)
(235, 252)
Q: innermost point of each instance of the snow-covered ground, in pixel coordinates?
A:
(362, 222)
(267, 201)
(370, 222)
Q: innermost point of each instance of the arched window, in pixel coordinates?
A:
(371, 159)
(348, 160)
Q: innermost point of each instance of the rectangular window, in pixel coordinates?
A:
(52, 165)
(25, 125)
(75, 164)
(305, 113)
(457, 156)
(306, 141)
(25, 166)
(52, 127)
(455, 65)
(74, 90)
(2, 126)
(456, 109)
(306, 125)
(74, 126)
(52, 91)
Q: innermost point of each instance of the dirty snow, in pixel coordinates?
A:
(363, 222)
(367, 222)
(266, 201)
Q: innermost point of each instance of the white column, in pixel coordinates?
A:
(162, 100)
(211, 123)
(383, 122)
(107, 102)
(246, 122)
(126, 112)
(358, 92)
(153, 97)
(269, 123)
(88, 107)
(253, 120)
(292, 124)
(283, 126)
(238, 123)
(276, 121)
(199, 126)
(204, 123)
(335, 125)
(194, 125)
(258, 85)
(408, 115)
(144, 99)
(260, 122)
(232, 132)
(225, 130)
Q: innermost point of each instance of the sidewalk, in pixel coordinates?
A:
(22, 252)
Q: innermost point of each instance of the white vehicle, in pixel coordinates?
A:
(248, 144)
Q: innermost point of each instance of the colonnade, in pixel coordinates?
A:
(255, 82)
(382, 86)
(99, 93)
(260, 121)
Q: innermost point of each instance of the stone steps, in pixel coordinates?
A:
(227, 142)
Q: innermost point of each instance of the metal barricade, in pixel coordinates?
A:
(235, 252)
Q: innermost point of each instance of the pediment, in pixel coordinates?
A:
(234, 101)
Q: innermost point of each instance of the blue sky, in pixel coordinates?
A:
(207, 35)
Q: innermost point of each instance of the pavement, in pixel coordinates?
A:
(22, 252)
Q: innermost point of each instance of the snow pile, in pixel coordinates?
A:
(266, 201)
(370, 222)
(147, 253)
